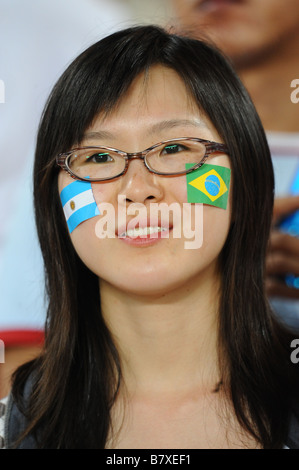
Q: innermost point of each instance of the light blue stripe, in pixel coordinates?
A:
(295, 184)
(85, 213)
(71, 190)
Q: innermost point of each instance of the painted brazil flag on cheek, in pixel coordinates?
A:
(209, 185)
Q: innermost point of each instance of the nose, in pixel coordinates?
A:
(138, 184)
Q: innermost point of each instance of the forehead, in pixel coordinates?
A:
(159, 90)
(156, 101)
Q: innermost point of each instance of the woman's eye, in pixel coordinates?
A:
(173, 148)
(99, 158)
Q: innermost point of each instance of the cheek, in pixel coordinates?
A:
(177, 188)
(103, 192)
(216, 223)
(83, 230)
(84, 237)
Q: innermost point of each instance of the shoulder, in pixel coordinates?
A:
(14, 423)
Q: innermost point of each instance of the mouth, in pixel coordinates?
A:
(211, 5)
(145, 232)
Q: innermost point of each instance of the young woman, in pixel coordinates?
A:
(150, 343)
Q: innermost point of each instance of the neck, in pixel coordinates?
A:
(166, 343)
(268, 81)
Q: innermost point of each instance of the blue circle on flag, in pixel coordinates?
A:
(212, 185)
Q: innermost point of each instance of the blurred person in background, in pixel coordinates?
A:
(40, 39)
(262, 40)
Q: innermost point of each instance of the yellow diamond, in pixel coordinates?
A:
(211, 184)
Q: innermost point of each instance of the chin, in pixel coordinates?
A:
(153, 290)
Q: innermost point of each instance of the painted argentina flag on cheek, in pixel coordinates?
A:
(78, 203)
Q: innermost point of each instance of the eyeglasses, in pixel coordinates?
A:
(167, 158)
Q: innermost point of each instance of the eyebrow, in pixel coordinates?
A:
(98, 135)
(173, 123)
(154, 129)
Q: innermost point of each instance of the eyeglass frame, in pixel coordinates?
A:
(211, 147)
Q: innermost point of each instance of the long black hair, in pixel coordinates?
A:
(76, 379)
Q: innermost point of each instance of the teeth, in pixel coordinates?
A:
(139, 232)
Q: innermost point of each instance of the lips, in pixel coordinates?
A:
(210, 5)
(143, 232)
(144, 229)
